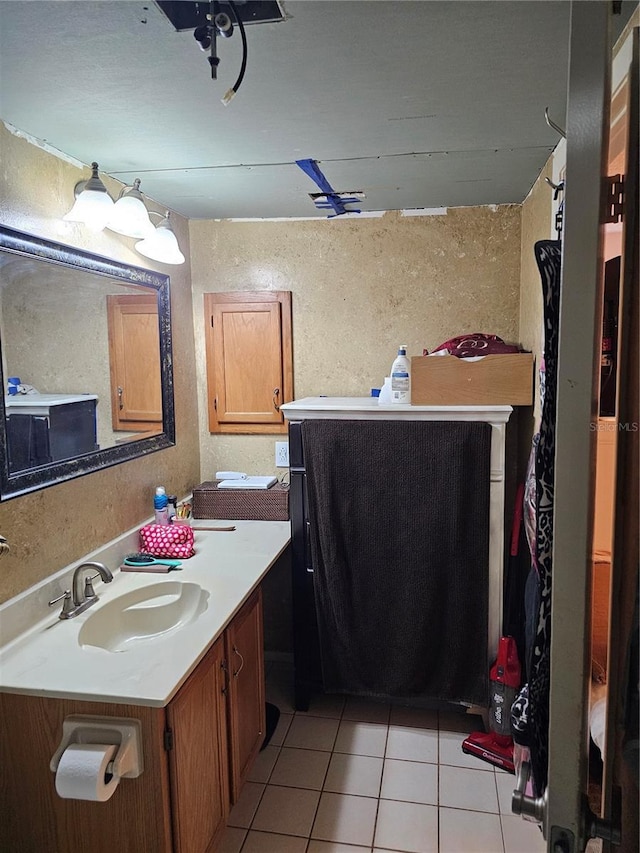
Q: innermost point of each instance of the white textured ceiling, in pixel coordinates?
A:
(418, 104)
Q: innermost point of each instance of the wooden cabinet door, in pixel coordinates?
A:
(244, 648)
(198, 757)
(249, 373)
(35, 819)
(134, 355)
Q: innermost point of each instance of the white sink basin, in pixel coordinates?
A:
(143, 614)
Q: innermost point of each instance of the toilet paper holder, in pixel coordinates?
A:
(123, 732)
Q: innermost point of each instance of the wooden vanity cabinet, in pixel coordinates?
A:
(34, 819)
(202, 742)
(197, 741)
(246, 703)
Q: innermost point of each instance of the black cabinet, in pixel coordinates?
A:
(41, 431)
(306, 645)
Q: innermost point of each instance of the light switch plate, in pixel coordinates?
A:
(282, 454)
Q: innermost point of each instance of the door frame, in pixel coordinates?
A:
(578, 363)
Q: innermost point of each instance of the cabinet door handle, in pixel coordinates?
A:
(120, 393)
(276, 394)
(238, 671)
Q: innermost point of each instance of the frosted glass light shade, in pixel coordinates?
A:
(162, 245)
(130, 216)
(93, 204)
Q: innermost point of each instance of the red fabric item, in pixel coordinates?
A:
(477, 343)
(167, 540)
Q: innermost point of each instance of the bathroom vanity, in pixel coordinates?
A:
(45, 428)
(197, 690)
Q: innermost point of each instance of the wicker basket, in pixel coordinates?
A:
(241, 504)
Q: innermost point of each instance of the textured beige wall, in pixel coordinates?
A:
(50, 528)
(360, 287)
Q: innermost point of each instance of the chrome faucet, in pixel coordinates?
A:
(82, 597)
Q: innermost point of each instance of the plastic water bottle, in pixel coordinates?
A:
(172, 502)
(160, 502)
(401, 378)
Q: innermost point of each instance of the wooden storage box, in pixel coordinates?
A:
(494, 380)
(241, 504)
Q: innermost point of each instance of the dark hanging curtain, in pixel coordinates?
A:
(548, 257)
(399, 515)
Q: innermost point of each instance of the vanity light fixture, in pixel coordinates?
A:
(129, 215)
(93, 205)
(162, 244)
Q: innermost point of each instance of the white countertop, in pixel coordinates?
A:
(359, 408)
(47, 660)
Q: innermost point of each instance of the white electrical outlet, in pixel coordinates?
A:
(282, 454)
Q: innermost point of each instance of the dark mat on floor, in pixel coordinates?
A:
(273, 715)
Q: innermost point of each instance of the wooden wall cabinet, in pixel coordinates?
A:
(249, 360)
(206, 737)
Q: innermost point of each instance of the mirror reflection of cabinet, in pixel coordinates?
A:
(134, 359)
(54, 336)
(44, 428)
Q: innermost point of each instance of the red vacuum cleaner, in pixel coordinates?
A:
(496, 746)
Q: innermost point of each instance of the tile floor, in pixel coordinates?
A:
(351, 776)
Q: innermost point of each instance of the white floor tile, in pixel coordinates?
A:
(301, 768)
(334, 847)
(243, 811)
(521, 836)
(473, 790)
(287, 811)
(409, 827)
(312, 733)
(450, 745)
(459, 721)
(412, 744)
(263, 765)
(347, 819)
(361, 738)
(232, 839)
(365, 710)
(270, 842)
(505, 783)
(416, 717)
(410, 781)
(325, 705)
(471, 832)
(354, 774)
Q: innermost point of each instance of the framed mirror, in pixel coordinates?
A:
(86, 362)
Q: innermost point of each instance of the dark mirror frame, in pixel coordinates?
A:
(20, 483)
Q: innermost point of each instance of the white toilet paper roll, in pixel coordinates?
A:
(82, 772)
